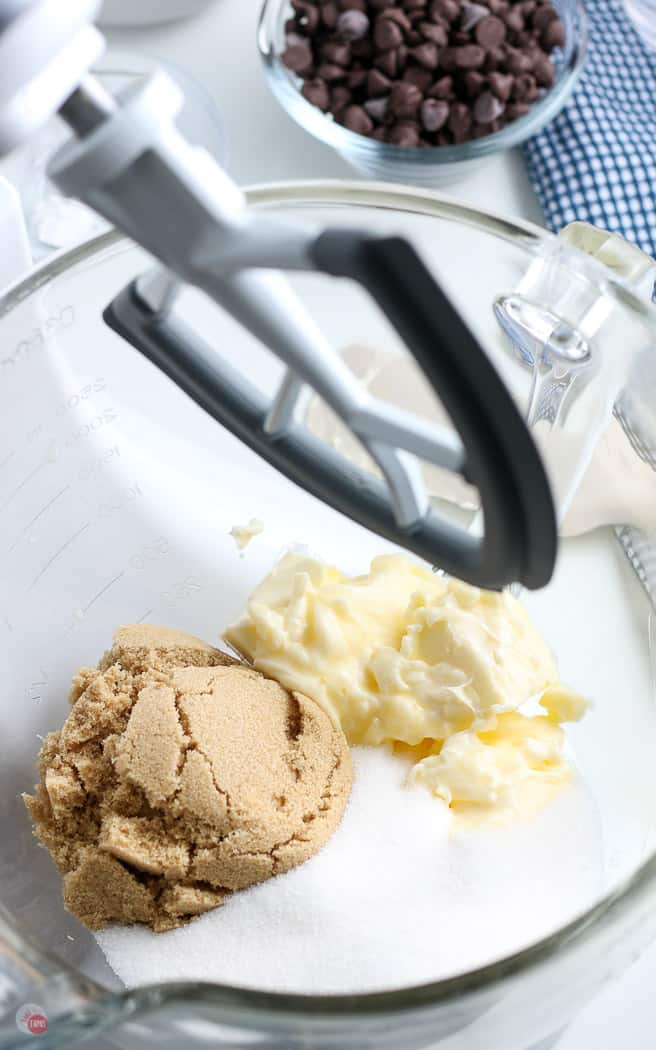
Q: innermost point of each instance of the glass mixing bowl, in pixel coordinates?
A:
(116, 497)
(432, 165)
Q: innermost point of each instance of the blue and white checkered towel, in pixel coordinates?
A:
(597, 161)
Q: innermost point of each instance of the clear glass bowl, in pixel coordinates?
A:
(425, 166)
(94, 442)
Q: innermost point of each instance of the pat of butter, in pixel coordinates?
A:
(243, 534)
(406, 657)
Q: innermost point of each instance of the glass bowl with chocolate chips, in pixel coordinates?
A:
(408, 89)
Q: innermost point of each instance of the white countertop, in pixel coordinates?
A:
(218, 48)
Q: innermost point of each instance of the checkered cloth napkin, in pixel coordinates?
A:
(597, 160)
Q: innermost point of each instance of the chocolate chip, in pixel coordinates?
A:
(543, 70)
(494, 59)
(316, 91)
(471, 56)
(474, 83)
(425, 55)
(471, 15)
(514, 19)
(460, 118)
(422, 78)
(403, 135)
(356, 79)
(405, 99)
(516, 109)
(448, 59)
(437, 34)
(517, 62)
(388, 63)
(487, 108)
(377, 108)
(353, 25)
(340, 97)
(362, 50)
(447, 9)
(307, 15)
(329, 15)
(434, 114)
(490, 32)
(387, 34)
(501, 85)
(395, 14)
(525, 88)
(442, 88)
(298, 58)
(294, 38)
(334, 51)
(525, 39)
(553, 35)
(378, 83)
(357, 119)
(329, 71)
(543, 16)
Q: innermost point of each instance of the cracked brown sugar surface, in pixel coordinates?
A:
(179, 776)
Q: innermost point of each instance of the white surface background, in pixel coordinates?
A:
(218, 48)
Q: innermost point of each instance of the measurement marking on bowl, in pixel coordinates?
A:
(56, 555)
(22, 485)
(36, 517)
(10, 455)
(103, 590)
(35, 689)
(145, 616)
(40, 337)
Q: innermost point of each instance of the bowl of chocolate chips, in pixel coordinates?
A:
(409, 89)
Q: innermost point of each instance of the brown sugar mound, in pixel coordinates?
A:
(179, 777)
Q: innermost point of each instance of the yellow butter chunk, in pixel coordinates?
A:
(482, 767)
(421, 661)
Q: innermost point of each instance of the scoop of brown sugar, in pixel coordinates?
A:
(180, 776)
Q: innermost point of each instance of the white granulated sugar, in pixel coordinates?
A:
(399, 896)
